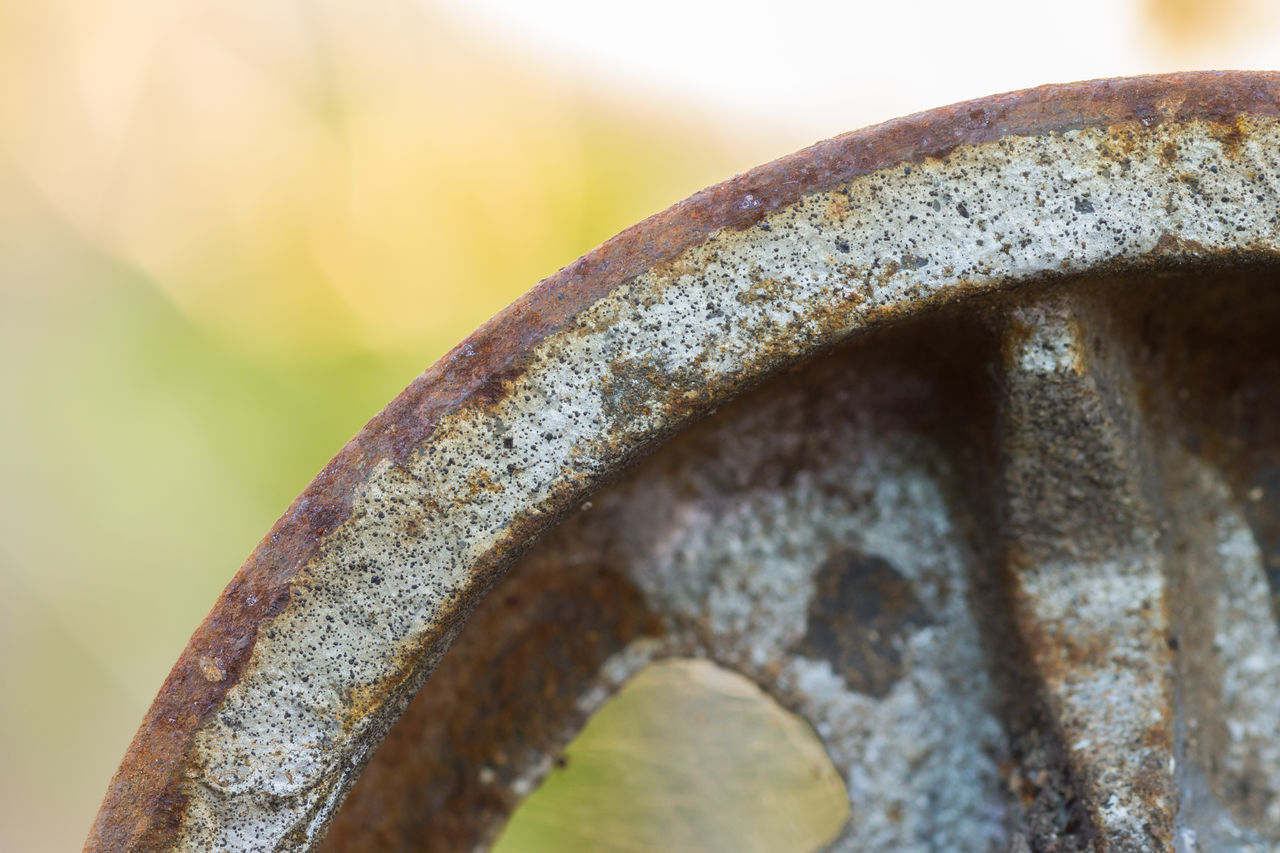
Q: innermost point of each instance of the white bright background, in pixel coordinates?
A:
(815, 68)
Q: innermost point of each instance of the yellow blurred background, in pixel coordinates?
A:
(231, 231)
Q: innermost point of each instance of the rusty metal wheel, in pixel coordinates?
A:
(957, 435)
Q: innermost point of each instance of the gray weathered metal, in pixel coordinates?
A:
(958, 437)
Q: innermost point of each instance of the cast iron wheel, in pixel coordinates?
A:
(957, 435)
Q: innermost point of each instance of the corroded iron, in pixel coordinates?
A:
(960, 438)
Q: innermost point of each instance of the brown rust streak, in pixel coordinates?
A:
(144, 802)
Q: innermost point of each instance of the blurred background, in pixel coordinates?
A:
(231, 231)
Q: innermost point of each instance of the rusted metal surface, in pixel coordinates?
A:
(1003, 455)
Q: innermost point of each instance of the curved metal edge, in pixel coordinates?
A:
(144, 805)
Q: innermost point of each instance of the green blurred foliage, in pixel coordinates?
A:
(142, 458)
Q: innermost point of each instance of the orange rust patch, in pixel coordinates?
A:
(837, 208)
(1158, 736)
(1170, 104)
(764, 289)
(1231, 133)
(212, 669)
(1173, 244)
(479, 481)
(1123, 142)
(1016, 335)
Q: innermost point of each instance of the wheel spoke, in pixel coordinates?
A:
(1087, 564)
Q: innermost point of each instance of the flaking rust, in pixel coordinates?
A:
(970, 325)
